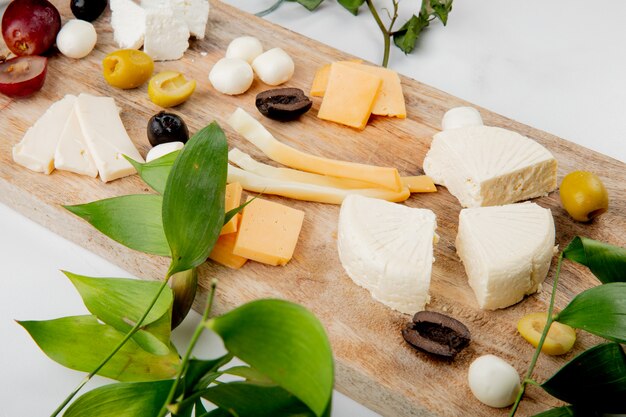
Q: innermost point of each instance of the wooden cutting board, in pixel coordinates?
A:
(373, 363)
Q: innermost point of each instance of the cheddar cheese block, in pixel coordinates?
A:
(318, 88)
(233, 199)
(222, 252)
(350, 96)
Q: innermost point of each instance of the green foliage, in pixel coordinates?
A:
(406, 37)
(309, 4)
(132, 220)
(352, 5)
(285, 342)
(193, 201)
(130, 399)
(154, 173)
(595, 379)
(607, 262)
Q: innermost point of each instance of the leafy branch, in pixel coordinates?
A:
(404, 38)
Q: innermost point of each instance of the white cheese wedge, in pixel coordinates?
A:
(106, 136)
(72, 153)
(128, 20)
(37, 148)
(167, 36)
(506, 251)
(195, 13)
(387, 248)
(489, 166)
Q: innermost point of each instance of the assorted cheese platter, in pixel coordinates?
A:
(473, 248)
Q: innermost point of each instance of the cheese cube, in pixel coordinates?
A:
(166, 36)
(233, 199)
(350, 96)
(222, 252)
(128, 20)
(72, 153)
(195, 13)
(106, 136)
(37, 147)
(268, 232)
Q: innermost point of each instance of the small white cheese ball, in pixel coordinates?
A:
(493, 381)
(231, 76)
(244, 47)
(77, 38)
(163, 149)
(461, 117)
(274, 67)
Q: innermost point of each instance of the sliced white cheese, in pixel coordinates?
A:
(506, 251)
(166, 36)
(72, 153)
(195, 13)
(387, 248)
(37, 148)
(128, 20)
(106, 136)
(458, 117)
(488, 166)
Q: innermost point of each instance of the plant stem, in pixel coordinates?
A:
(192, 344)
(270, 9)
(383, 29)
(544, 334)
(113, 352)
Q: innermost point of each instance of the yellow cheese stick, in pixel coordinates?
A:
(308, 192)
(416, 184)
(254, 132)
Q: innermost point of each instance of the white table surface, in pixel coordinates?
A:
(557, 66)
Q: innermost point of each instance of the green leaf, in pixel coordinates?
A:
(310, 5)
(132, 220)
(80, 343)
(599, 310)
(595, 379)
(184, 285)
(352, 5)
(120, 302)
(607, 262)
(193, 202)
(155, 173)
(245, 399)
(406, 37)
(129, 399)
(441, 9)
(284, 341)
(197, 369)
(249, 374)
(568, 411)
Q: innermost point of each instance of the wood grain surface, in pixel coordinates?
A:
(373, 363)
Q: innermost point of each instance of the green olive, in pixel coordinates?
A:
(583, 195)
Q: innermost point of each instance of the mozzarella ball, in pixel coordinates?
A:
(231, 76)
(461, 117)
(244, 47)
(163, 149)
(274, 67)
(493, 381)
(77, 38)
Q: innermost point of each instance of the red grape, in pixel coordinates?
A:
(29, 27)
(23, 76)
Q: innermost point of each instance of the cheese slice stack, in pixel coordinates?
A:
(506, 251)
(387, 248)
(488, 166)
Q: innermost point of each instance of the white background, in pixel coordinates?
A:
(558, 66)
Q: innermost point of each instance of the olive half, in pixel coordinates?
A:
(436, 333)
(283, 103)
(167, 127)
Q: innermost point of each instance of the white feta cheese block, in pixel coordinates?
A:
(128, 20)
(506, 251)
(387, 248)
(195, 13)
(106, 136)
(489, 166)
(37, 147)
(458, 117)
(72, 153)
(167, 36)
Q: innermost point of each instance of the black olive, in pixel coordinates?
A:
(167, 127)
(283, 103)
(436, 333)
(88, 10)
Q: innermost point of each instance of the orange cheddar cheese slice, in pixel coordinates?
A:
(350, 95)
(318, 88)
(390, 99)
(233, 199)
(268, 232)
(222, 252)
